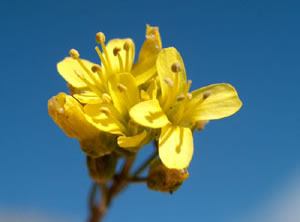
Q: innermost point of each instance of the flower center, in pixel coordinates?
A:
(178, 95)
(105, 59)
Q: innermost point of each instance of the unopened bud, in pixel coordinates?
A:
(100, 145)
(162, 179)
(102, 169)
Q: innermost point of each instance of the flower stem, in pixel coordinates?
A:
(119, 183)
(144, 165)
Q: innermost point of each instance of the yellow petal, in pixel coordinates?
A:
(166, 59)
(68, 115)
(176, 146)
(87, 97)
(67, 67)
(145, 68)
(213, 102)
(119, 43)
(124, 91)
(132, 143)
(106, 122)
(149, 114)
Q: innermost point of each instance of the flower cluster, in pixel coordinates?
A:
(118, 107)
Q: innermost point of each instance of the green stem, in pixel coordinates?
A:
(144, 165)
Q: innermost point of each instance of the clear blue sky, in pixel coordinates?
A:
(238, 162)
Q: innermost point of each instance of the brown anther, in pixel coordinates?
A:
(126, 46)
(121, 87)
(100, 37)
(116, 51)
(74, 53)
(96, 68)
(180, 98)
(175, 67)
(105, 110)
(168, 81)
(206, 95)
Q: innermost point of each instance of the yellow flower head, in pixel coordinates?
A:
(175, 111)
(89, 80)
(110, 90)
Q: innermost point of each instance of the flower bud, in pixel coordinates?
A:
(103, 168)
(100, 145)
(162, 179)
(68, 114)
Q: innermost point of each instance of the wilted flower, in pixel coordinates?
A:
(162, 179)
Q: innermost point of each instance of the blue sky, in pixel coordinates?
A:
(240, 163)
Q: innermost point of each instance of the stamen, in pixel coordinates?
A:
(116, 51)
(100, 37)
(206, 95)
(169, 81)
(176, 67)
(102, 58)
(74, 53)
(189, 96)
(90, 74)
(105, 110)
(90, 85)
(188, 86)
(126, 47)
(180, 98)
(106, 98)
(121, 87)
(96, 68)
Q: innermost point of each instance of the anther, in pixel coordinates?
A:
(175, 67)
(189, 96)
(100, 37)
(206, 94)
(180, 98)
(96, 68)
(168, 81)
(116, 51)
(74, 53)
(105, 110)
(126, 46)
(121, 87)
(106, 98)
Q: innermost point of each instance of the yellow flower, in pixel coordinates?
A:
(176, 110)
(112, 116)
(89, 81)
(68, 114)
